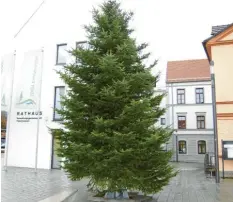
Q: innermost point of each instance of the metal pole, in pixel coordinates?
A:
(177, 148)
(223, 176)
(9, 116)
(174, 141)
(29, 19)
(38, 118)
(215, 127)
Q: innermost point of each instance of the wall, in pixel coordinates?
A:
(163, 104)
(192, 144)
(190, 109)
(223, 62)
(223, 59)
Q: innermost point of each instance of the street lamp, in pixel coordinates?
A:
(217, 178)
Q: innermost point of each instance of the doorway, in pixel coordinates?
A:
(56, 160)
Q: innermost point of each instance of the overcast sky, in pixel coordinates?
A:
(174, 29)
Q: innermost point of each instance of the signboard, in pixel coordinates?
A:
(228, 150)
(26, 116)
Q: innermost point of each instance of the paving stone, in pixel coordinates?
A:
(23, 185)
(190, 185)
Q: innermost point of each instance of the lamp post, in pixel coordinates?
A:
(217, 178)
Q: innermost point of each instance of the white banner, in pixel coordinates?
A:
(26, 105)
(7, 71)
(28, 87)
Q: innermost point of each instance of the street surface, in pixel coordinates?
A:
(190, 185)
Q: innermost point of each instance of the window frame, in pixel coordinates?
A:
(54, 103)
(80, 43)
(199, 143)
(77, 43)
(181, 120)
(177, 95)
(197, 96)
(185, 144)
(161, 121)
(57, 55)
(201, 121)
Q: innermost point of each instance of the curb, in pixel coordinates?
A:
(66, 199)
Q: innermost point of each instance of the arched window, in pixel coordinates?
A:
(201, 147)
(182, 147)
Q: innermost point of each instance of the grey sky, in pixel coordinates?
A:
(174, 28)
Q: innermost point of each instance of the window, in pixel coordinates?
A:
(181, 122)
(61, 54)
(82, 44)
(182, 147)
(163, 121)
(199, 95)
(59, 92)
(180, 96)
(200, 122)
(201, 147)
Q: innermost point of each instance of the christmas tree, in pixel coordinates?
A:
(111, 109)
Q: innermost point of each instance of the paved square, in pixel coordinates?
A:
(24, 185)
(190, 185)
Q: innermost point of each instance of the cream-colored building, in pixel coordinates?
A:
(219, 48)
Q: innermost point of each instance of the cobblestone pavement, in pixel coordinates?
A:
(190, 185)
(24, 185)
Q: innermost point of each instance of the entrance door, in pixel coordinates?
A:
(55, 159)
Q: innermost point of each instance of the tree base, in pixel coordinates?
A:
(132, 197)
(117, 195)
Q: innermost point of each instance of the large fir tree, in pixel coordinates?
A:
(110, 110)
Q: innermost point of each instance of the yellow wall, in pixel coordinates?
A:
(225, 132)
(225, 108)
(223, 68)
(228, 37)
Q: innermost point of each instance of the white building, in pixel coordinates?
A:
(56, 27)
(189, 109)
(163, 104)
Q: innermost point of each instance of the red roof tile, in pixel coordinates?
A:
(188, 70)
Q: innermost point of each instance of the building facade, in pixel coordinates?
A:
(189, 109)
(47, 40)
(219, 49)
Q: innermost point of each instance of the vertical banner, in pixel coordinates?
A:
(27, 95)
(7, 71)
(28, 87)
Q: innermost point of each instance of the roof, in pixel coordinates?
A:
(218, 29)
(188, 70)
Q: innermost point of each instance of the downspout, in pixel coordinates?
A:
(174, 137)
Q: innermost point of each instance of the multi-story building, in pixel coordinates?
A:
(189, 109)
(29, 140)
(219, 49)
